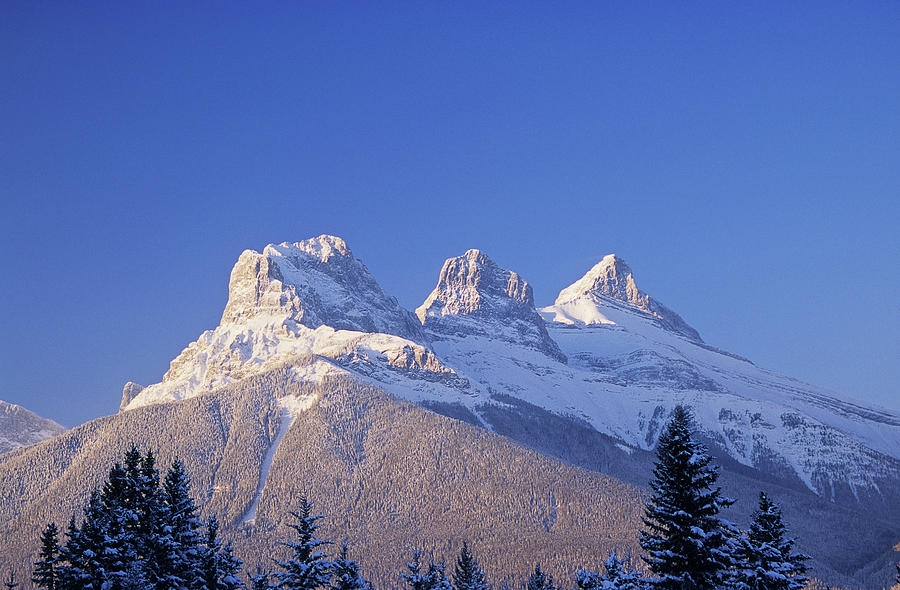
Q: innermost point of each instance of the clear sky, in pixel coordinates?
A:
(744, 158)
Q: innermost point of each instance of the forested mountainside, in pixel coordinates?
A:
(21, 427)
(393, 477)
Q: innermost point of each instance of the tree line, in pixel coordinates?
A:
(142, 532)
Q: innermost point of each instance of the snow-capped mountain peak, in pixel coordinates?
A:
(316, 282)
(301, 299)
(476, 297)
(612, 281)
(20, 427)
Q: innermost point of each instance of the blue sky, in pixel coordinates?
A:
(744, 159)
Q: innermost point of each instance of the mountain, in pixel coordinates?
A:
(611, 283)
(390, 477)
(475, 297)
(309, 297)
(20, 427)
(588, 381)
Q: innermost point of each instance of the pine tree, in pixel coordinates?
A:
(346, 575)
(11, 583)
(619, 576)
(467, 575)
(537, 580)
(180, 556)
(259, 580)
(307, 568)
(688, 546)
(433, 579)
(766, 561)
(45, 568)
(588, 580)
(69, 574)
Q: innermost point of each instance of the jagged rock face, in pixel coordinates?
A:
(20, 427)
(612, 279)
(316, 282)
(475, 296)
(309, 298)
(129, 392)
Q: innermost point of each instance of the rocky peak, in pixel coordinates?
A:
(129, 392)
(316, 282)
(20, 427)
(612, 279)
(475, 296)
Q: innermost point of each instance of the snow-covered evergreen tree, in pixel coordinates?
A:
(346, 574)
(218, 566)
(45, 568)
(688, 546)
(764, 553)
(434, 578)
(587, 580)
(467, 575)
(259, 580)
(538, 580)
(307, 567)
(619, 575)
(180, 563)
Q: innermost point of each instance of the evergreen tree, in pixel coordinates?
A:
(45, 568)
(467, 575)
(179, 562)
(766, 561)
(306, 568)
(433, 579)
(11, 583)
(68, 572)
(135, 534)
(345, 572)
(537, 580)
(259, 580)
(588, 580)
(688, 546)
(619, 576)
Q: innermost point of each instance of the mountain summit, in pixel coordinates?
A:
(476, 297)
(316, 282)
(308, 299)
(611, 281)
(20, 427)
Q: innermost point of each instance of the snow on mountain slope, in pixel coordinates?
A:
(308, 298)
(474, 296)
(611, 280)
(605, 354)
(20, 427)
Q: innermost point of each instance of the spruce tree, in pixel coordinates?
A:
(307, 567)
(467, 575)
(766, 561)
(432, 579)
(259, 580)
(11, 583)
(537, 580)
(688, 546)
(345, 573)
(45, 568)
(180, 558)
(619, 575)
